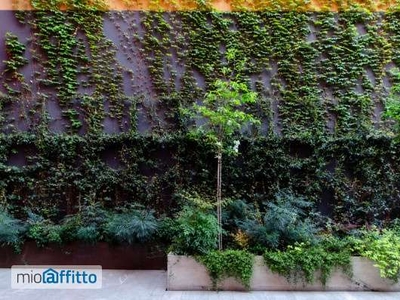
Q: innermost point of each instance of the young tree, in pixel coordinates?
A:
(223, 117)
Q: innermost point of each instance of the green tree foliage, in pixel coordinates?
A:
(223, 109)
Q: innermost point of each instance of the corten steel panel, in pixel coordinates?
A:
(134, 257)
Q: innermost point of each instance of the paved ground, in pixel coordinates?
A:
(145, 285)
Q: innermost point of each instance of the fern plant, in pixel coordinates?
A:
(286, 221)
(11, 230)
(131, 226)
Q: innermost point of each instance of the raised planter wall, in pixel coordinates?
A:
(185, 273)
(133, 257)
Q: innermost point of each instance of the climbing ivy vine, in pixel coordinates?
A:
(321, 79)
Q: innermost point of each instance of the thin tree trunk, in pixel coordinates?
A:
(219, 198)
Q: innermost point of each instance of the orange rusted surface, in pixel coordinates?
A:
(227, 5)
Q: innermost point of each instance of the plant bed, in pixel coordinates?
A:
(186, 273)
(127, 257)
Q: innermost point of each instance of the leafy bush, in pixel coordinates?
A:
(384, 249)
(237, 211)
(301, 261)
(11, 230)
(87, 225)
(285, 222)
(229, 263)
(195, 232)
(165, 232)
(131, 226)
(43, 231)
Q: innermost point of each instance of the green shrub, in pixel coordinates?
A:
(11, 230)
(228, 263)
(301, 261)
(43, 231)
(131, 226)
(86, 225)
(165, 232)
(286, 221)
(238, 211)
(195, 232)
(384, 249)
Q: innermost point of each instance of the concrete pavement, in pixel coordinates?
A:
(146, 285)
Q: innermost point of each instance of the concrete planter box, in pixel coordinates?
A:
(185, 273)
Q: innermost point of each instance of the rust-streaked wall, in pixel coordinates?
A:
(6, 5)
(228, 5)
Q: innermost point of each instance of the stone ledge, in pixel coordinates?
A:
(185, 273)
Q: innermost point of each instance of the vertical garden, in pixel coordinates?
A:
(94, 132)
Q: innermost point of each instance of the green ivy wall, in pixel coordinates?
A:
(89, 108)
